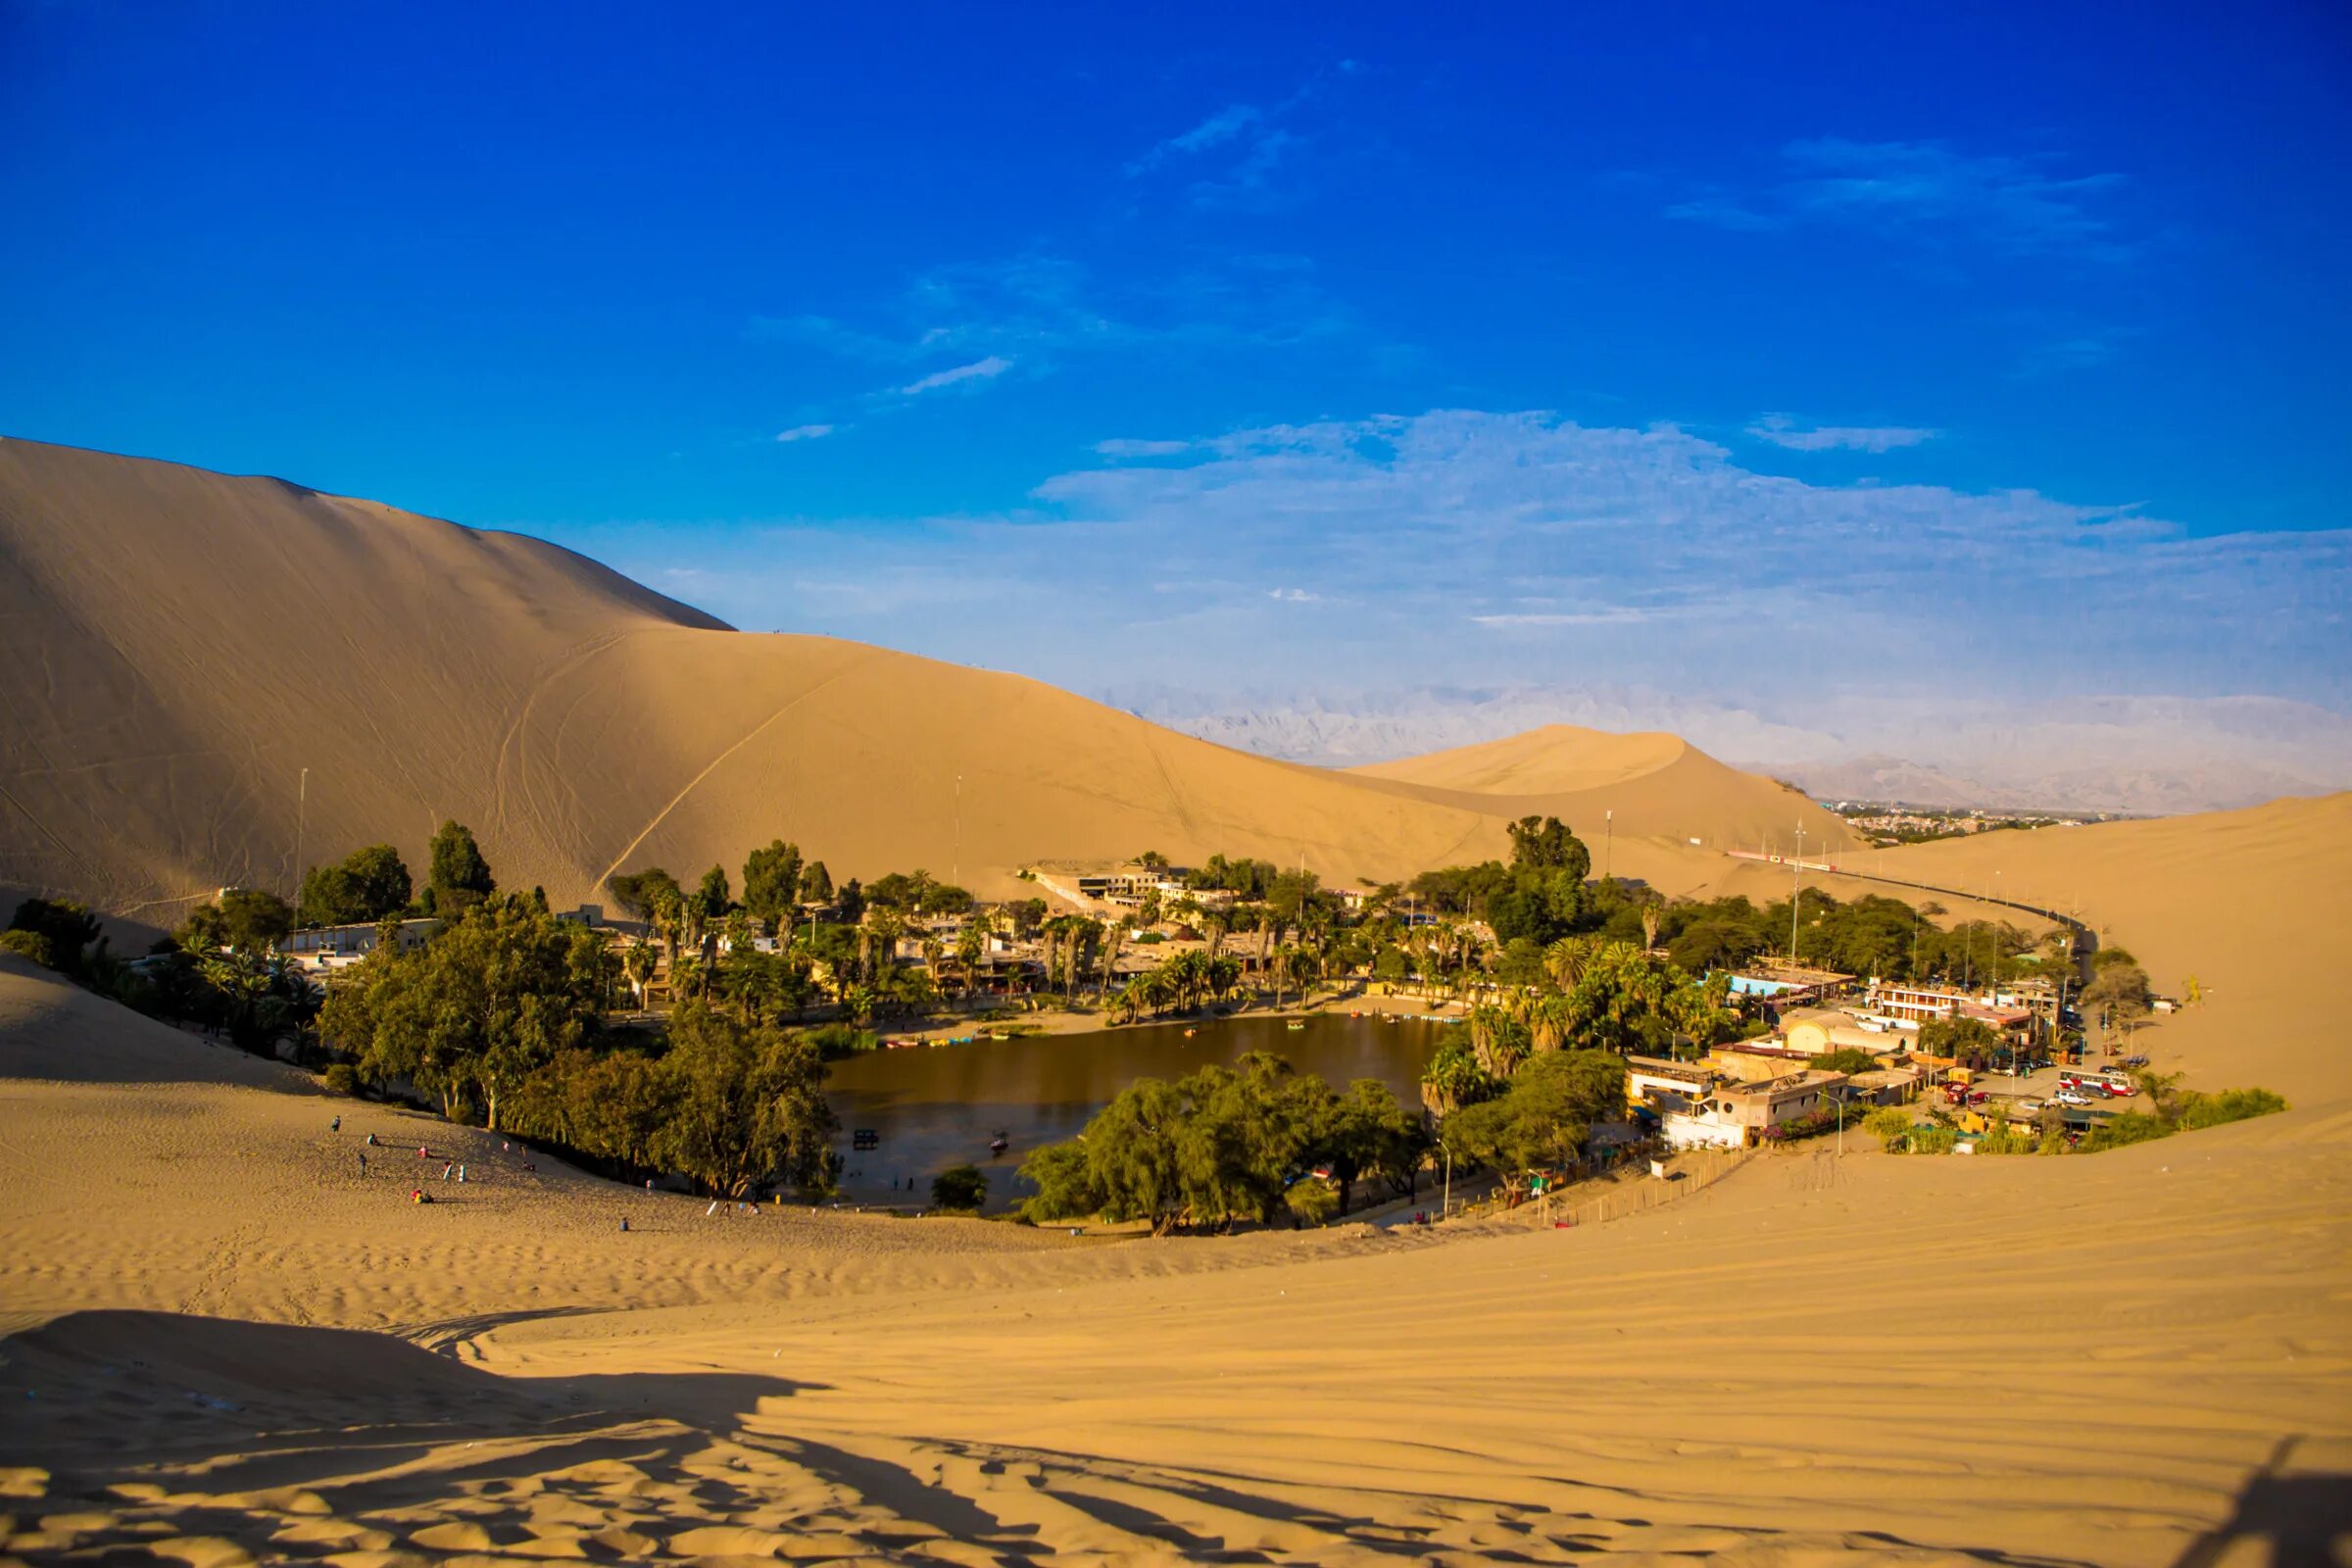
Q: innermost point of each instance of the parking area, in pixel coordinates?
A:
(2066, 1085)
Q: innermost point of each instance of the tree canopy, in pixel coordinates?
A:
(368, 885)
(1221, 1146)
(458, 877)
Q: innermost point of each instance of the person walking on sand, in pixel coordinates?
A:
(460, 1175)
(446, 1168)
(363, 1162)
(335, 1126)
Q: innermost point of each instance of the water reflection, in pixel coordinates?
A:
(942, 1105)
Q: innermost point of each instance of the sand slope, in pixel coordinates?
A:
(195, 641)
(2105, 1361)
(1651, 794)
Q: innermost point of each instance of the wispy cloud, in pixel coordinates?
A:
(1119, 448)
(1783, 432)
(806, 432)
(987, 369)
(2017, 205)
(1214, 131)
(1294, 596)
(1579, 544)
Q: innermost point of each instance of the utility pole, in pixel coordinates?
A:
(1797, 875)
(302, 807)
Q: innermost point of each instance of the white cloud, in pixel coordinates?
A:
(804, 432)
(993, 365)
(1140, 449)
(1643, 556)
(1214, 131)
(1782, 431)
(1294, 596)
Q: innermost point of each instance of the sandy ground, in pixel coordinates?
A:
(2143, 1357)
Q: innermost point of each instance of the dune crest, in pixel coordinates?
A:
(200, 639)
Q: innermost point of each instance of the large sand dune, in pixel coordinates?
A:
(190, 643)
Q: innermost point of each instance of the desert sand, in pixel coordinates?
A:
(225, 1343)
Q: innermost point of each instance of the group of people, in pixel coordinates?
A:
(450, 1169)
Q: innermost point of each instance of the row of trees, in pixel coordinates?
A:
(373, 882)
(1229, 1145)
(500, 1012)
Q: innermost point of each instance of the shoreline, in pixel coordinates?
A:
(1063, 1021)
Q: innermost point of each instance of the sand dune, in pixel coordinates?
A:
(1655, 794)
(226, 1343)
(197, 641)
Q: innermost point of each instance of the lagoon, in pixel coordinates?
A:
(940, 1106)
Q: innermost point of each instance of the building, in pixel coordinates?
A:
(1117, 889)
(1667, 1086)
(1739, 1115)
(1887, 1086)
(1818, 1031)
(1918, 1005)
(329, 947)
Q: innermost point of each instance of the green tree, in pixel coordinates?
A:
(66, 931)
(749, 1105)
(640, 893)
(772, 883)
(1545, 843)
(1891, 1125)
(254, 920)
(1847, 1058)
(368, 885)
(816, 884)
(715, 895)
(456, 877)
(962, 1188)
(32, 945)
(472, 1013)
(1544, 1118)
(1063, 1177)
(1959, 1039)
(1312, 1203)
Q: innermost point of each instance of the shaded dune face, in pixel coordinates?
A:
(192, 642)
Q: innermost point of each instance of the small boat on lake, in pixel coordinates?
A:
(999, 1144)
(1295, 1024)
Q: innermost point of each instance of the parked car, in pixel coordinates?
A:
(2068, 1096)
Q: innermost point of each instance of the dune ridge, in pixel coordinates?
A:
(199, 640)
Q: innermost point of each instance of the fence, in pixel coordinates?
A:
(1615, 1196)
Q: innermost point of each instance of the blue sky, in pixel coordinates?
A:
(1723, 350)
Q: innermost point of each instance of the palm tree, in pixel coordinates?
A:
(1652, 914)
(972, 945)
(1567, 960)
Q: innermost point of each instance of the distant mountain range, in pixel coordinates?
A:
(2147, 755)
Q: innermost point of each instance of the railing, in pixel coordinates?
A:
(1631, 1190)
